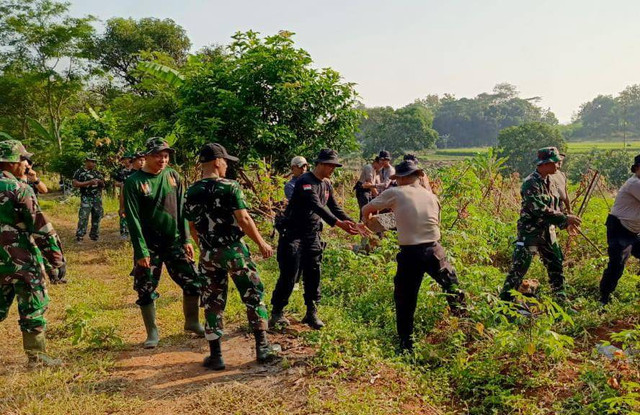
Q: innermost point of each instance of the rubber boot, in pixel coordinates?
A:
(149, 318)
(214, 361)
(35, 347)
(278, 319)
(265, 352)
(312, 319)
(191, 309)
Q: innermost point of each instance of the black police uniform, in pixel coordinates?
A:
(300, 245)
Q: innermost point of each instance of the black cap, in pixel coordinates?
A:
(411, 157)
(384, 155)
(328, 156)
(214, 151)
(406, 168)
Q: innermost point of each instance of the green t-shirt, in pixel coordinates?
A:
(210, 205)
(154, 211)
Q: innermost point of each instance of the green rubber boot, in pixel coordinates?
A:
(149, 318)
(35, 347)
(191, 309)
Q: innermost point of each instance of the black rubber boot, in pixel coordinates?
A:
(312, 319)
(214, 361)
(265, 352)
(149, 318)
(191, 310)
(278, 319)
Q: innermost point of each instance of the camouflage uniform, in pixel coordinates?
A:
(25, 237)
(210, 205)
(539, 216)
(120, 176)
(90, 203)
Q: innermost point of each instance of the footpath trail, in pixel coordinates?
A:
(167, 380)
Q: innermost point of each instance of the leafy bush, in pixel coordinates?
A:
(614, 165)
(520, 144)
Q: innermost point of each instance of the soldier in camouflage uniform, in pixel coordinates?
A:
(119, 177)
(539, 216)
(154, 208)
(217, 213)
(26, 236)
(90, 182)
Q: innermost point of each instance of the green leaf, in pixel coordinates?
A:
(40, 130)
(162, 72)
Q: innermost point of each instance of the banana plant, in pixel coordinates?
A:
(162, 72)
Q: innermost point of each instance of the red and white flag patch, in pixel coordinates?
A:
(306, 187)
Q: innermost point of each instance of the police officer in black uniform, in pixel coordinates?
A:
(300, 243)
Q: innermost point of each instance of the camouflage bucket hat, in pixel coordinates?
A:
(12, 151)
(548, 155)
(156, 144)
(127, 155)
(91, 157)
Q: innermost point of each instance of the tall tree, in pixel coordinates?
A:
(121, 47)
(45, 45)
(263, 99)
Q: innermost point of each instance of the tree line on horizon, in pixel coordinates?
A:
(67, 89)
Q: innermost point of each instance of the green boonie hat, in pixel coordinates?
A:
(127, 155)
(548, 155)
(156, 144)
(12, 151)
(91, 157)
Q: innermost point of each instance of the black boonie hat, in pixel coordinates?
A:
(384, 155)
(328, 156)
(411, 157)
(406, 168)
(214, 151)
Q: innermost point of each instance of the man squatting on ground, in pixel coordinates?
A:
(217, 213)
(417, 213)
(25, 237)
(90, 182)
(539, 215)
(299, 167)
(153, 198)
(300, 244)
(623, 232)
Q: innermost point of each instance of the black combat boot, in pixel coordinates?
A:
(457, 303)
(278, 318)
(265, 352)
(406, 345)
(214, 361)
(311, 318)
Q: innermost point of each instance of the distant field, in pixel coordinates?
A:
(579, 147)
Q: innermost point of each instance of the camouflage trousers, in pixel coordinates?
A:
(181, 269)
(89, 205)
(551, 256)
(124, 230)
(215, 267)
(32, 304)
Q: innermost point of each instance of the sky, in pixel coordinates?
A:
(565, 51)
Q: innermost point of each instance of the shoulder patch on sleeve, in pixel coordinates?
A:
(306, 187)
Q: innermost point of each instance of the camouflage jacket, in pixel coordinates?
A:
(210, 205)
(84, 175)
(121, 174)
(540, 209)
(25, 234)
